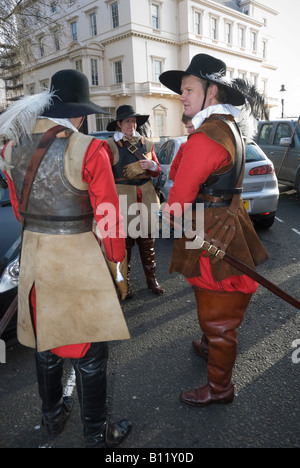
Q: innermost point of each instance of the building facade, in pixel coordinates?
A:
(124, 45)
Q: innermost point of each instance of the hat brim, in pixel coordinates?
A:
(140, 120)
(172, 79)
(60, 109)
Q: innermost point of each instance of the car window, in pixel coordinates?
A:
(4, 192)
(166, 153)
(254, 153)
(283, 130)
(264, 134)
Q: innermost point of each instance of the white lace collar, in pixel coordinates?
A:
(228, 109)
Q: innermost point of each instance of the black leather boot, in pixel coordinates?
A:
(91, 387)
(56, 408)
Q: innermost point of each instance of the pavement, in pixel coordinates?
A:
(147, 373)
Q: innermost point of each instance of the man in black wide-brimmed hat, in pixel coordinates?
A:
(134, 166)
(68, 306)
(211, 173)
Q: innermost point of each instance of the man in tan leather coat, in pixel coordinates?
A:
(59, 181)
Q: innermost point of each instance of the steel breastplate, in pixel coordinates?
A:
(54, 205)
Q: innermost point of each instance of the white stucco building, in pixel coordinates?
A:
(124, 45)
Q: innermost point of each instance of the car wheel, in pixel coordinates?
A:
(265, 223)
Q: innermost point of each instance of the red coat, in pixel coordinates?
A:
(200, 158)
(176, 162)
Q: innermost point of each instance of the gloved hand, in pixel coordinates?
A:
(119, 274)
(133, 170)
(220, 231)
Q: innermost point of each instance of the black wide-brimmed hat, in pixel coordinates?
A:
(125, 112)
(208, 68)
(71, 96)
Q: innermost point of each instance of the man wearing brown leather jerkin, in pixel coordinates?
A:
(211, 172)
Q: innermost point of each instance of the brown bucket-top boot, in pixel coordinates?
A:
(201, 347)
(147, 253)
(220, 314)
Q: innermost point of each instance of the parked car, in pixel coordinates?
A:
(275, 139)
(260, 186)
(10, 239)
(104, 135)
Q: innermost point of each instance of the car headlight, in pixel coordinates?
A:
(10, 276)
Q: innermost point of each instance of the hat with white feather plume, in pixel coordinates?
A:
(69, 97)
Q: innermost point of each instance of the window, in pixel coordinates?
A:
(155, 16)
(115, 15)
(78, 65)
(38, 16)
(44, 85)
(253, 80)
(93, 24)
(264, 49)
(254, 153)
(214, 28)
(41, 47)
(74, 31)
(103, 120)
(254, 41)
(242, 37)
(229, 73)
(228, 33)
(53, 7)
(283, 131)
(94, 71)
(118, 74)
(157, 70)
(159, 123)
(265, 133)
(197, 22)
(56, 40)
(31, 89)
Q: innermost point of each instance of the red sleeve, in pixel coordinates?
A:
(176, 162)
(12, 191)
(97, 173)
(155, 174)
(201, 157)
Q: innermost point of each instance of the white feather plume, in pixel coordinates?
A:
(2, 164)
(247, 122)
(20, 118)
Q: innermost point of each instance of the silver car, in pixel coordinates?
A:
(260, 186)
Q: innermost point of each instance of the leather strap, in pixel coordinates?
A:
(34, 164)
(32, 168)
(134, 150)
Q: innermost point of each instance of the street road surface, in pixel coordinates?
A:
(147, 373)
